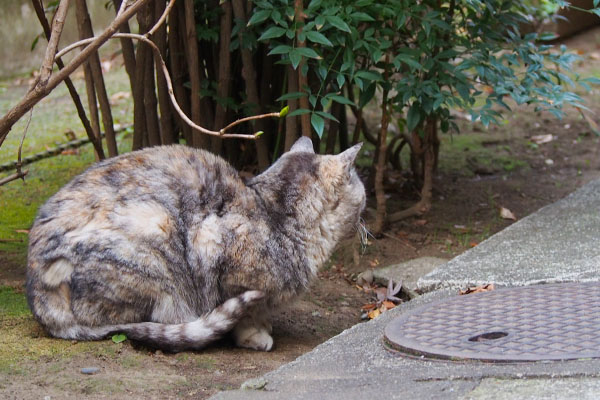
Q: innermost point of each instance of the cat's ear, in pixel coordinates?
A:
(347, 157)
(304, 144)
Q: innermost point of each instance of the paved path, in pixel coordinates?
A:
(559, 243)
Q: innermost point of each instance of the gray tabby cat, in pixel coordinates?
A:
(170, 246)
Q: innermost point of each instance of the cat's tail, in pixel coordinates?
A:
(177, 337)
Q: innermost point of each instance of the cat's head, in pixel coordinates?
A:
(330, 181)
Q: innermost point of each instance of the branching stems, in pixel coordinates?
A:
(222, 132)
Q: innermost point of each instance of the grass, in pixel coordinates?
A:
(22, 339)
(53, 116)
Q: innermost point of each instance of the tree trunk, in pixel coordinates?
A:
(167, 135)
(127, 47)
(291, 123)
(199, 140)
(152, 135)
(91, 134)
(224, 80)
(177, 60)
(343, 131)
(302, 79)
(140, 134)
(92, 105)
(380, 166)
(334, 127)
(249, 74)
(85, 25)
(428, 157)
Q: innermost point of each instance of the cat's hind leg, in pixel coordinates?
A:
(253, 331)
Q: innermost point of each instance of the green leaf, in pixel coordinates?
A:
(318, 124)
(369, 75)
(341, 99)
(327, 115)
(593, 80)
(408, 60)
(272, 32)
(314, 4)
(34, 43)
(413, 118)
(281, 49)
(367, 95)
(319, 21)
(118, 338)
(291, 96)
(307, 52)
(362, 17)
(341, 79)
(259, 17)
(295, 57)
(338, 23)
(300, 111)
(317, 37)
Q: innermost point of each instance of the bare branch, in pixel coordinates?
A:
(223, 132)
(57, 28)
(14, 176)
(251, 118)
(124, 14)
(39, 92)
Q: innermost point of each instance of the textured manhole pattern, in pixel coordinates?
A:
(545, 322)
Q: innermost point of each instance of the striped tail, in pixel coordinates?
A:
(176, 337)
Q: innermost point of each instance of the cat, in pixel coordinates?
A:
(170, 246)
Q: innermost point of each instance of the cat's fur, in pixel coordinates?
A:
(170, 246)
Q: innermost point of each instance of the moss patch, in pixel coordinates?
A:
(12, 304)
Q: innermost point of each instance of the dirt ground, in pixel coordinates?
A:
(480, 171)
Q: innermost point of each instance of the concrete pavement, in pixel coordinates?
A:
(559, 243)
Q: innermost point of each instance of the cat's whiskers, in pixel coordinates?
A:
(363, 234)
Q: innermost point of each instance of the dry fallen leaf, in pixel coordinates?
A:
(70, 152)
(478, 289)
(507, 214)
(374, 313)
(473, 244)
(369, 306)
(388, 304)
(115, 98)
(541, 139)
(420, 222)
(21, 230)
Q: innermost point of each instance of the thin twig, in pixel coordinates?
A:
(251, 118)
(22, 141)
(14, 176)
(399, 240)
(222, 133)
(161, 20)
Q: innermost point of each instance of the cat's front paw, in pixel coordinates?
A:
(256, 339)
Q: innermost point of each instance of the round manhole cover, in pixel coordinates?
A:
(544, 322)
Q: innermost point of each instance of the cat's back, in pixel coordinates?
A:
(145, 193)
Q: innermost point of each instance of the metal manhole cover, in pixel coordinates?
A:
(544, 322)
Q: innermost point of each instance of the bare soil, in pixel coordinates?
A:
(480, 171)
